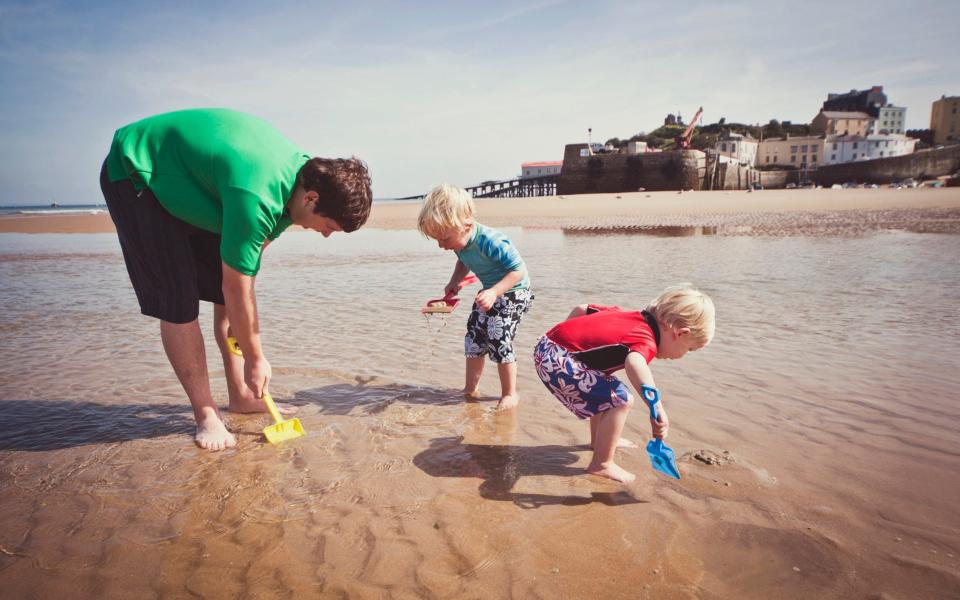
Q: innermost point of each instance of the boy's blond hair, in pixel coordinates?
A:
(684, 306)
(445, 209)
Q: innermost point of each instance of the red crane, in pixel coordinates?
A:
(683, 140)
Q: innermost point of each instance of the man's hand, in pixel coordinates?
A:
(660, 428)
(485, 299)
(257, 374)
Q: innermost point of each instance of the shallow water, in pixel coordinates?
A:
(827, 403)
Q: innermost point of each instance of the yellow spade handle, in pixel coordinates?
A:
(274, 412)
(233, 346)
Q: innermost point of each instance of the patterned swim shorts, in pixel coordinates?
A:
(492, 332)
(584, 391)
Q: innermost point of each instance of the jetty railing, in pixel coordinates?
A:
(526, 187)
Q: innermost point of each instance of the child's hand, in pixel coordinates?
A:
(660, 428)
(451, 289)
(485, 299)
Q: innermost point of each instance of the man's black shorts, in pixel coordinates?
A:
(172, 264)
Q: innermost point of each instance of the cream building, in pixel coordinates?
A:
(830, 122)
(738, 147)
(800, 152)
(945, 120)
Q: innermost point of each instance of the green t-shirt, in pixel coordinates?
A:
(217, 169)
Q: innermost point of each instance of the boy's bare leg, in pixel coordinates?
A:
(474, 371)
(609, 426)
(621, 443)
(183, 344)
(241, 396)
(508, 386)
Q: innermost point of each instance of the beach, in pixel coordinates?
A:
(817, 435)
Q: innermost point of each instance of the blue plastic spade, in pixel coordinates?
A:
(661, 455)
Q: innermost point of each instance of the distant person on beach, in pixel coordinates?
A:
(447, 216)
(577, 358)
(196, 196)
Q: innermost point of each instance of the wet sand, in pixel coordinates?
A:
(817, 434)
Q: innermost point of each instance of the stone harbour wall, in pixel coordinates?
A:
(696, 170)
(608, 173)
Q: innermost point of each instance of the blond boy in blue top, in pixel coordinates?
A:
(447, 216)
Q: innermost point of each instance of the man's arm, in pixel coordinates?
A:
(639, 373)
(241, 305)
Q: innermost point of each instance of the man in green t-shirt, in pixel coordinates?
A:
(196, 196)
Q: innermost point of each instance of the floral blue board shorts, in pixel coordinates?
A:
(492, 332)
(584, 391)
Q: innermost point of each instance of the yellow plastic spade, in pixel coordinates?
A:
(233, 346)
(281, 430)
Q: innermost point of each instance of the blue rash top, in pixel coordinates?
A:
(490, 255)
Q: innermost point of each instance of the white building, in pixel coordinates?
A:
(848, 148)
(540, 169)
(739, 148)
(890, 119)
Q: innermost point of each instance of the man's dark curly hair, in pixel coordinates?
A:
(343, 185)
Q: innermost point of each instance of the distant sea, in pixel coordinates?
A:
(61, 209)
(79, 209)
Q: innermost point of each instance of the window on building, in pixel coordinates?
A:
(833, 157)
(876, 144)
(768, 159)
(723, 147)
(793, 149)
(881, 153)
(854, 156)
(793, 158)
(803, 148)
(834, 146)
(813, 158)
(855, 144)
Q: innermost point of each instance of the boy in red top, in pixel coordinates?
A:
(576, 360)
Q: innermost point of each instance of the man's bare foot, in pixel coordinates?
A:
(622, 443)
(212, 434)
(611, 471)
(507, 402)
(471, 394)
(257, 405)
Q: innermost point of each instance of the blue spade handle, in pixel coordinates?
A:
(651, 395)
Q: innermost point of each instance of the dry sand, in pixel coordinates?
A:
(766, 212)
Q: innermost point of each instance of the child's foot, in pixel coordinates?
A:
(611, 471)
(471, 394)
(507, 402)
(249, 404)
(212, 434)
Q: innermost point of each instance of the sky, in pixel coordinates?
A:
(432, 92)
